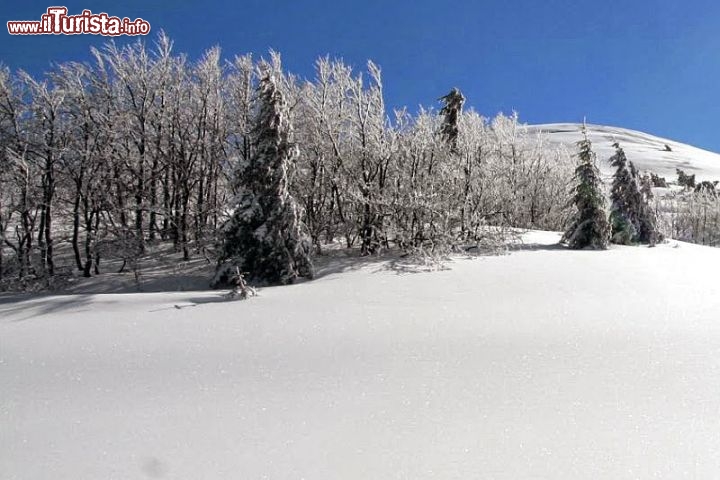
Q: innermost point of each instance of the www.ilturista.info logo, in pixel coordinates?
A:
(57, 22)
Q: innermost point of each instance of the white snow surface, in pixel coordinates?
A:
(646, 151)
(544, 363)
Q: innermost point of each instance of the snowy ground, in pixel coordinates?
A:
(545, 363)
(646, 151)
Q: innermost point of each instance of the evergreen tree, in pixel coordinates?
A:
(451, 111)
(589, 227)
(626, 200)
(264, 237)
(649, 232)
(632, 218)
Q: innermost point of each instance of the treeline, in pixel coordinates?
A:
(691, 214)
(140, 145)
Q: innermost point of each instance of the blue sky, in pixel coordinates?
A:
(648, 65)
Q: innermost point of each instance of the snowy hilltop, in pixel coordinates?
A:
(648, 152)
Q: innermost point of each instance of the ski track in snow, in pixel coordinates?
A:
(545, 363)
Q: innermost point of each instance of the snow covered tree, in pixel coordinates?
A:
(706, 186)
(371, 157)
(694, 217)
(589, 227)
(451, 111)
(658, 181)
(530, 179)
(626, 200)
(685, 180)
(632, 218)
(647, 220)
(143, 145)
(264, 236)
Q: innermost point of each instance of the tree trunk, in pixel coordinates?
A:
(152, 228)
(76, 228)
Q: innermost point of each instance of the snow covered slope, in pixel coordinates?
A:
(646, 151)
(545, 363)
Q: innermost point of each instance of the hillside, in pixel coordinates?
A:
(646, 151)
(545, 363)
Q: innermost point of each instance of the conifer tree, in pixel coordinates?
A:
(649, 232)
(264, 236)
(451, 111)
(632, 218)
(589, 227)
(625, 200)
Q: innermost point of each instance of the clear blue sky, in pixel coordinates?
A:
(643, 64)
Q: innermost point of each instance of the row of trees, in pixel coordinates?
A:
(632, 219)
(111, 155)
(691, 216)
(142, 145)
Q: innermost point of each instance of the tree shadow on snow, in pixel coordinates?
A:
(410, 264)
(18, 308)
(330, 264)
(390, 261)
(519, 247)
(220, 297)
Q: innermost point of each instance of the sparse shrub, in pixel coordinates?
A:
(706, 186)
(692, 217)
(685, 180)
(658, 181)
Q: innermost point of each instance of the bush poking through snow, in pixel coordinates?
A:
(658, 181)
(685, 180)
(240, 290)
(692, 217)
(706, 186)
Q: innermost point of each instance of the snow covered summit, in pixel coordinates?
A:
(647, 152)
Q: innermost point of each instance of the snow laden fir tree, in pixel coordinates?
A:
(264, 237)
(451, 113)
(631, 218)
(589, 227)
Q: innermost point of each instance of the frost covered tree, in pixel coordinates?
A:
(590, 227)
(685, 180)
(692, 216)
(626, 200)
(451, 112)
(529, 179)
(323, 182)
(647, 219)
(264, 236)
(632, 218)
(113, 157)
